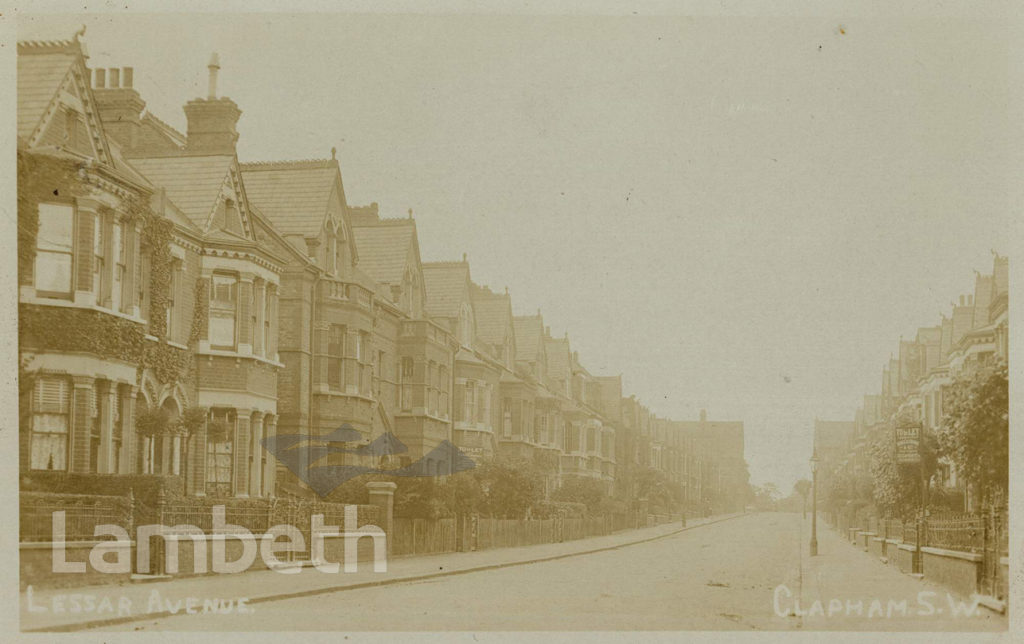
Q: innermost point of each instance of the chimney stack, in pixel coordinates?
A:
(119, 105)
(961, 300)
(212, 121)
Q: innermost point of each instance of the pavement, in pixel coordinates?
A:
(124, 604)
(739, 572)
(857, 591)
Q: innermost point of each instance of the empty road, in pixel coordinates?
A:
(744, 573)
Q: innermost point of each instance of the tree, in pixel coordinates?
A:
(662, 494)
(976, 428)
(902, 488)
(766, 496)
(511, 487)
(581, 489)
(803, 488)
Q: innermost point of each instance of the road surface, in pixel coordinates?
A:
(732, 575)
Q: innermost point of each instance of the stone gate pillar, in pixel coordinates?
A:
(382, 495)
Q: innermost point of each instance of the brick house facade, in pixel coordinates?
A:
(264, 305)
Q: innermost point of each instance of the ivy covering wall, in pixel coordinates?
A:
(65, 329)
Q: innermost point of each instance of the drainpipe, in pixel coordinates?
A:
(451, 398)
(312, 350)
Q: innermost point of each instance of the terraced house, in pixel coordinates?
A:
(179, 307)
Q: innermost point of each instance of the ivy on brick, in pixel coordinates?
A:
(41, 177)
(156, 243)
(80, 330)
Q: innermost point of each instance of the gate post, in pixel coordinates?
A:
(382, 495)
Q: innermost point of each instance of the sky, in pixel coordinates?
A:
(736, 214)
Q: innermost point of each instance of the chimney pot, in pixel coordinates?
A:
(101, 78)
(115, 78)
(127, 77)
(463, 258)
(213, 67)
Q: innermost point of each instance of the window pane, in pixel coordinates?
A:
(49, 452)
(53, 272)
(222, 295)
(97, 236)
(55, 227)
(222, 310)
(222, 328)
(55, 423)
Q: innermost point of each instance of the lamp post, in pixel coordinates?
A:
(814, 503)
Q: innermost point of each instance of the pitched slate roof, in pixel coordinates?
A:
(293, 194)
(173, 135)
(493, 313)
(528, 331)
(446, 286)
(193, 183)
(384, 248)
(42, 68)
(558, 357)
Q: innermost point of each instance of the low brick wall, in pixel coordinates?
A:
(875, 546)
(905, 558)
(891, 546)
(864, 540)
(956, 570)
(36, 566)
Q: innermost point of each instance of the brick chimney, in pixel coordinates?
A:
(119, 105)
(211, 121)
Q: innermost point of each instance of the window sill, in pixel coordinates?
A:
(238, 356)
(343, 394)
(28, 296)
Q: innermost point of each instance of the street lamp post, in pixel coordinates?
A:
(814, 504)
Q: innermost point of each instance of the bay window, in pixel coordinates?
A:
(172, 293)
(469, 402)
(98, 259)
(120, 252)
(335, 356)
(54, 249)
(406, 383)
(50, 424)
(220, 451)
(223, 310)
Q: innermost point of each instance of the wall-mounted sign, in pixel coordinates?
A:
(908, 443)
